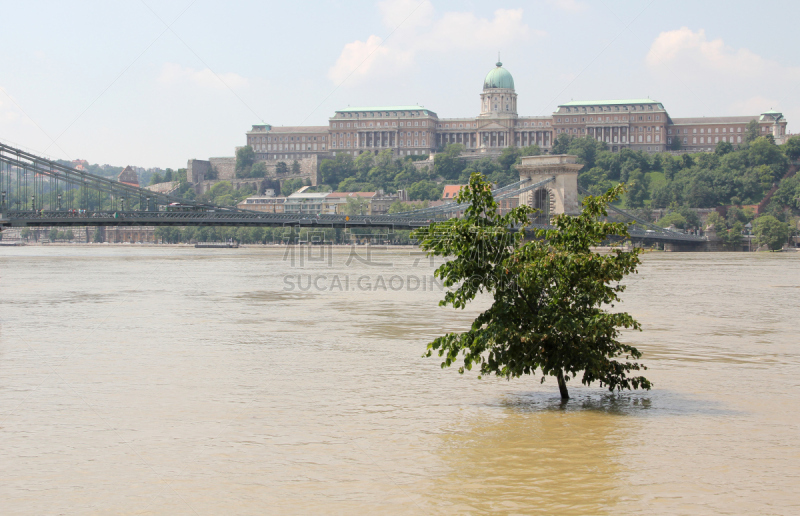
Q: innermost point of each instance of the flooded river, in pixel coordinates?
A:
(252, 381)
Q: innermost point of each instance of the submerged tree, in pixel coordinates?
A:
(549, 292)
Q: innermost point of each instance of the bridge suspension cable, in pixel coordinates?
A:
(53, 186)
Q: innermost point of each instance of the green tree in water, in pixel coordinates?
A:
(548, 293)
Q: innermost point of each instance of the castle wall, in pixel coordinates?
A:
(197, 170)
(225, 167)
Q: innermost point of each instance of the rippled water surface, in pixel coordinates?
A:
(188, 381)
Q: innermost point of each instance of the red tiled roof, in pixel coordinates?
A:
(450, 191)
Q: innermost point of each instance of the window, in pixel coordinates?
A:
(685, 141)
(739, 139)
(716, 130)
(702, 130)
(416, 123)
(702, 140)
(558, 120)
(574, 119)
(694, 140)
(658, 117)
(694, 131)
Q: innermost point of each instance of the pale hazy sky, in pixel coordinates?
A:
(154, 83)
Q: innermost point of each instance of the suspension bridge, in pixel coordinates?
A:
(39, 192)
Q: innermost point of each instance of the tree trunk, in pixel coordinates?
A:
(562, 386)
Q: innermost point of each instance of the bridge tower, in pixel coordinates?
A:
(558, 196)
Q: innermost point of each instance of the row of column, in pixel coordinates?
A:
(609, 134)
(470, 140)
(540, 138)
(466, 139)
(376, 139)
(497, 138)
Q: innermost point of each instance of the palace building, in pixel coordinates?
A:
(639, 124)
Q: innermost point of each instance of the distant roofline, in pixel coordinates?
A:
(383, 108)
(292, 128)
(608, 102)
(711, 120)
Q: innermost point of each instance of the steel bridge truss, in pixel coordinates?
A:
(30, 184)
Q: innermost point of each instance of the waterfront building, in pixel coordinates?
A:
(310, 203)
(263, 203)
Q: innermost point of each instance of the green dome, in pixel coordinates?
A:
(498, 78)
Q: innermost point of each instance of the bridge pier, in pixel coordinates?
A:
(559, 196)
(681, 247)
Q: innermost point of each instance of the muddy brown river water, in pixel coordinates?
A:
(220, 381)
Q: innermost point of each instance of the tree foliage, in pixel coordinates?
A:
(245, 157)
(549, 293)
(771, 232)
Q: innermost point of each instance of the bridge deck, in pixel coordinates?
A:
(252, 219)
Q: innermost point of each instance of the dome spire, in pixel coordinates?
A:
(498, 59)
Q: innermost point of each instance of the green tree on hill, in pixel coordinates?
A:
(723, 148)
(561, 144)
(637, 189)
(356, 206)
(752, 131)
(245, 157)
(771, 232)
(792, 148)
(449, 163)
